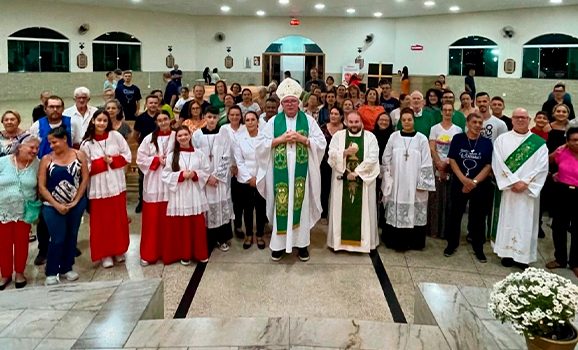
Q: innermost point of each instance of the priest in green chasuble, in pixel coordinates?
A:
(354, 158)
(289, 152)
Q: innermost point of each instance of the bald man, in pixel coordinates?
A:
(424, 119)
(520, 165)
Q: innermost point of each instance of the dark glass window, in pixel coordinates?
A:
(474, 52)
(551, 56)
(38, 49)
(116, 50)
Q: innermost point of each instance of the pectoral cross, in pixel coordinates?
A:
(406, 155)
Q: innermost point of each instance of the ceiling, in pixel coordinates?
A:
(305, 8)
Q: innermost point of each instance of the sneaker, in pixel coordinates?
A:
(138, 208)
(39, 260)
(481, 257)
(449, 252)
(107, 262)
(224, 247)
(51, 281)
(185, 262)
(71, 276)
(276, 255)
(144, 262)
(303, 254)
(120, 258)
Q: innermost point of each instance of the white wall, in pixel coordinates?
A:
(194, 47)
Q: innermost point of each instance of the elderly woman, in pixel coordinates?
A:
(62, 183)
(18, 208)
(565, 217)
(8, 137)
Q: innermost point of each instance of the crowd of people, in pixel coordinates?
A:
(358, 161)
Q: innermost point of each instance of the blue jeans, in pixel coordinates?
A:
(63, 231)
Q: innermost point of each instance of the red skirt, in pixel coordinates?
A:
(185, 239)
(154, 223)
(108, 227)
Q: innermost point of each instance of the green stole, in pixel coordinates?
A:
(281, 173)
(352, 198)
(514, 162)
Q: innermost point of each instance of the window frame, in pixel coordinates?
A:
(117, 43)
(491, 45)
(66, 50)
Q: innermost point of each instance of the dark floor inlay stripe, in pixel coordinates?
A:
(191, 290)
(387, 287)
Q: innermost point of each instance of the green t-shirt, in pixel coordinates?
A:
(424, 122)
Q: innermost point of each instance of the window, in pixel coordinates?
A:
(116, 50)
(476, 52)
(378, 71)
(38, 49)
(551, 56)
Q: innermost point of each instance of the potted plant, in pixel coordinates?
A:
(540, 305)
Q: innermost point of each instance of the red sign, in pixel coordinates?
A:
(417, 47)
(294, 22)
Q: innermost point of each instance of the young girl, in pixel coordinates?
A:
(107, 154)
(151, 159)
(185, 173)
(542, 127)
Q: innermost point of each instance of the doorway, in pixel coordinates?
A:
(296, 54)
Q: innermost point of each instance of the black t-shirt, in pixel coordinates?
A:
(186, 109)
(128, 96)
(508, 121)
(144, 124)
(549, 105)
(38, 112)
(171, 90)
(469, 81)
(471, 155)
(390, 104)
(179, 73)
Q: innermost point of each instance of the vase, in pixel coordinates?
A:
(539, 343)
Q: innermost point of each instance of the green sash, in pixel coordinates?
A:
(351, 201)
(514, 162)
(281, 173)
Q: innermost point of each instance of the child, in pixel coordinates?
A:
(542, 127)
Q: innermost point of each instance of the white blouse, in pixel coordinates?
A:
(245, 156)
(154, 190)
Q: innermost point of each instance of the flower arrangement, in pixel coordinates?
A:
(536, 303)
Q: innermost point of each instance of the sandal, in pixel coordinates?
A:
(260, 243)
(248, 242)
(554, 265)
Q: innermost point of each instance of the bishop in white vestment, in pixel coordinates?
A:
(354, 158)
(520, 165)
(289, 153)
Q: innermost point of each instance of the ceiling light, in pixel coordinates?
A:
(454, 8)
(320, 6)
(260, 13)
(429, 3)
(225, 8)
(136, 1)
(378, 14)
(555, 1)
(350, 11)
(283, 2)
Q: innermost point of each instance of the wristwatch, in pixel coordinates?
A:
(475, 182)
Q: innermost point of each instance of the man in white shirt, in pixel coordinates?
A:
(493, 127)
(81, 112)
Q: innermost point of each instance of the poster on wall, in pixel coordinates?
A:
(347, 72)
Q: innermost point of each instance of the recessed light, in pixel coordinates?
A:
(454, 8)
(260, 13)
(350, 11)
(283, 2)
(225, 8)
(136, 1)
(555, 1)
(320, 6)
(378, 14)
(429, 3)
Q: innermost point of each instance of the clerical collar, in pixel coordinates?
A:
(408, 134)
(206, 131)
(101, 137)
(418, 114)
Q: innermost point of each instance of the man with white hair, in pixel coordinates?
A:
(424, 119)
(289, 151)
(520, 165)
(81, 112)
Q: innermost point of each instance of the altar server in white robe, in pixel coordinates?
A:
(520, 164)
(215, 143)
(354, 158)
(289, 151)
(151, 159)
(407, 177)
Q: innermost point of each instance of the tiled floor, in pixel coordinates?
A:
(246, 283)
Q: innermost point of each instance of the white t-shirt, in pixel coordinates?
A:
(493, 128)
(443, 138)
